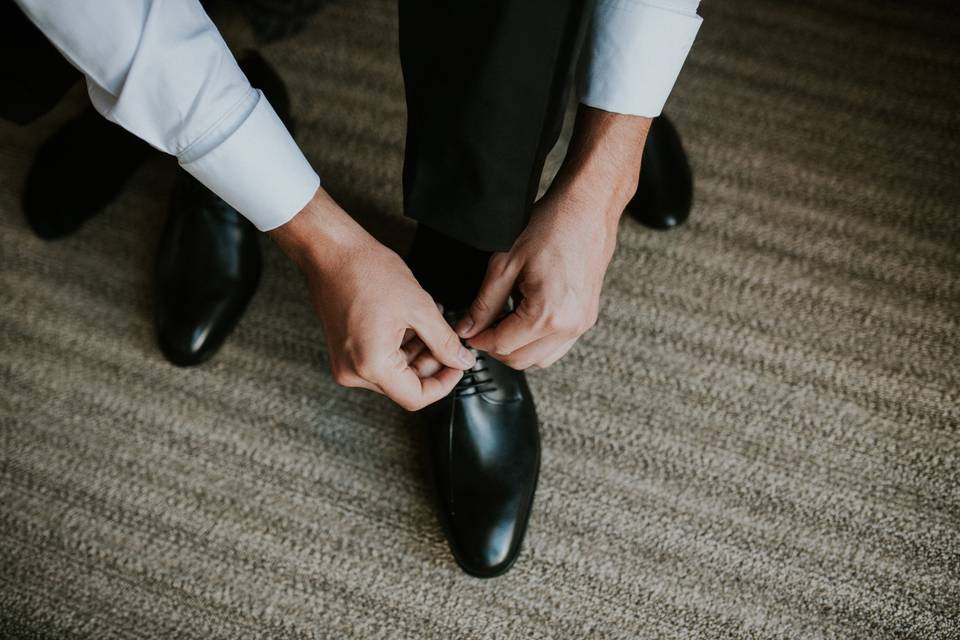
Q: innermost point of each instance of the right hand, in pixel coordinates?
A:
(376, 318)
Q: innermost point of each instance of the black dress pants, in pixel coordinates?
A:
(486, 84)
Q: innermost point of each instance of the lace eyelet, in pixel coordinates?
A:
(473, 382)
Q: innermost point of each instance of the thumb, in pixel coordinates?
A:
(440, 339)
(491, 299)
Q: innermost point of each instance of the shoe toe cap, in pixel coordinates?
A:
(486, 542)
(660, 219)
(185, 343)
(190, 329)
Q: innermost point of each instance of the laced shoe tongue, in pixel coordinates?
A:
(476, 379)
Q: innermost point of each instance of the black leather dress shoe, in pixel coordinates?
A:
(208, 267)
(77, 172)
(483, 444)
(665, 189)
(209, 261)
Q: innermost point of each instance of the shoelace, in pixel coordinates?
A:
(475, 380)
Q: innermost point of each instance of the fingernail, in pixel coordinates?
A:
(464, 326)
(466, 357)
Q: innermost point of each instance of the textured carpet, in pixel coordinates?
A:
(761, 438)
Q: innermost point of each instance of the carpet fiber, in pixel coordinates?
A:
(759, 439)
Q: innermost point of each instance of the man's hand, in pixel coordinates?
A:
(558, 263)
(375, 316)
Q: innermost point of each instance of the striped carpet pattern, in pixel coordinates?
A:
(760, 439)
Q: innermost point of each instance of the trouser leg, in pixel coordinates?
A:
(486, 82)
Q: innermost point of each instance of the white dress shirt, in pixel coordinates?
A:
(160, 69)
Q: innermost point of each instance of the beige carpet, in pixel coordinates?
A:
(760, 439)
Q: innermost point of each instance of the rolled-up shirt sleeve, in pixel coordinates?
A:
(161, 70)
(633, 53)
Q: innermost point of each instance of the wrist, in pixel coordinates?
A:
(320, 236)
(605, 192)
(601, 195)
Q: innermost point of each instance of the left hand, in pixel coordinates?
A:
(557, 266)
(558, 263)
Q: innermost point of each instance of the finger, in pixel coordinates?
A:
(426, 365)
(441, 340)
(559, 353)
(408, 335)
(517, 330)
(372, 387)
(413, 348)
(491, 299)
(439, 385)
(412, 393)
(354, 381)
(537, 352)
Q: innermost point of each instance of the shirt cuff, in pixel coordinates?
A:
(258, 169)
(633, 55)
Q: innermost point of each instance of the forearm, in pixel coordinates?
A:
(603, 160)
(321, 236)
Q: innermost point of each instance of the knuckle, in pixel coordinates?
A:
(552, 321)
(342, 377)
(499, 262)
(480, 305)
(561, 322)
(515, 364)
(451, 342)
(410, 405)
